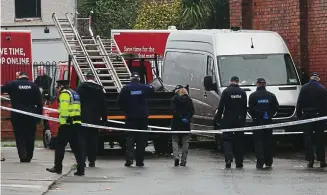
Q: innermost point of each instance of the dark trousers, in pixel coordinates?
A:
(234, 146)
(233, 141)
(90, 143)
(134, 137)
(314, 136)
(69, 134)
(24, 130)
(263, 143)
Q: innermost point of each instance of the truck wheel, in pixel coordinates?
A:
(48, 140)
(162, 145)
(100, 145)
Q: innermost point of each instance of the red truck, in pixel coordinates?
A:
(159, 107)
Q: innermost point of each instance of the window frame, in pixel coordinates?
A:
(37, 14)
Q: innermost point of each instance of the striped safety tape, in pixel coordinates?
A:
(252, 128)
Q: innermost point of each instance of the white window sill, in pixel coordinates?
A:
(27, 19)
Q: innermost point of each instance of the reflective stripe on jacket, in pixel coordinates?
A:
(69, 107)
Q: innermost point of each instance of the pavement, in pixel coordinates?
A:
(204, 174)
(30, 178)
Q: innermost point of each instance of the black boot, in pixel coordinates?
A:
(176, 162)
(92, 164)
(54, 170)
(80, 171)
(183, 163)
(228, 164)
(239, 165)
(323, 164)
(310, 164)
(128, 163)
(140, 164)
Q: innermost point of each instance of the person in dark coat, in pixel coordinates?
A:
(43, 80)
(93, 107)
(312, 103)
(183, 110)
(263, 105)
(25, 96)
(233, 107)
(133, 101)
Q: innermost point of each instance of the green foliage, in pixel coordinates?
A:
(158, 15)
(109, 14)
(197, 13)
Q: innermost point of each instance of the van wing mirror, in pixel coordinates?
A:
(207, 82)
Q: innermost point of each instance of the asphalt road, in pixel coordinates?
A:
(204, 174)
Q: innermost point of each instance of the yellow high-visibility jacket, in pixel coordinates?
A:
(69, 107)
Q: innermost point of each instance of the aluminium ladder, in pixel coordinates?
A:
(115, 57)
(85, 56)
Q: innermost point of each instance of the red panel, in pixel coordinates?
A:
(16, 54)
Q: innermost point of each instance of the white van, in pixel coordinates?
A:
(192, 55)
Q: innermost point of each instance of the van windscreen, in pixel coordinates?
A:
(276, 69)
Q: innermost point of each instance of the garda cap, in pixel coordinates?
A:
(22, 75)
(261, 80)
(135, 76)
(235, 79)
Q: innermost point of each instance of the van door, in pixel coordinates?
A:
(210, 98)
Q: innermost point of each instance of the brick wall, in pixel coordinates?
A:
(6, 127)
(302, 24)
(317, 34)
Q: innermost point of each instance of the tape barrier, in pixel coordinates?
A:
(252, 128)
(112, 121)
(168, 130)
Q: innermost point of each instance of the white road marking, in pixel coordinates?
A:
(21, 186)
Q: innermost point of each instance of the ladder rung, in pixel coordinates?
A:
(105, 75)
(96, 57)
(98, 63)
(93, 51)
(90, 45)
(108, 87)
(102, 69)
(62, 20)
(107, 81)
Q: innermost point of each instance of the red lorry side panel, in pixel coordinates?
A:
(145, 44)
(16, 54)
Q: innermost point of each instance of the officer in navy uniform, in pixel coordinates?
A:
(312, 103)
(263, 105)
(133, 101)
(25, 96)
(233, 107)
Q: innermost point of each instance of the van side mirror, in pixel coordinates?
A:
(207, 83)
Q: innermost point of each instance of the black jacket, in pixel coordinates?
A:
(312, 98)
(93, 105)
(133, 99)
(44, 81)
(24, 95)
(182, 107)
(262, 101)
(233, 105)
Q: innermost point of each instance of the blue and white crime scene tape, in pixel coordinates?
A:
(168, 130)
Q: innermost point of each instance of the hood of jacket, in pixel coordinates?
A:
(91, 85)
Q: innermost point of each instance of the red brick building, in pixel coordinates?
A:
(302, 24)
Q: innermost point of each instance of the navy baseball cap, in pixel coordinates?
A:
(235, 79)
(261, 80)
(135, 76)
(315, 74)
(22, 75)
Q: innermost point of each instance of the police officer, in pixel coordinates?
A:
(263, 105)
(25, 96)
(93, 108)
(312, 103)
(233, 107)
(69, 129)
(133, 101)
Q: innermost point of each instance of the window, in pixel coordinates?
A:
(276, 69)
(28, 9)
(210, 69)
(182, 68)
(66, 75)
